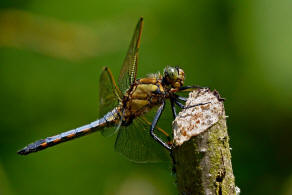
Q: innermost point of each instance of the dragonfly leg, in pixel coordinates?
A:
(181, 98)
(158, 128)
(154, 122)
(191, 88)
(186, 107)
(173, 107)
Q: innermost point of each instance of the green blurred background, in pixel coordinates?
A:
(51, 55)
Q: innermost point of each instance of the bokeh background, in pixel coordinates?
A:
(51, 55)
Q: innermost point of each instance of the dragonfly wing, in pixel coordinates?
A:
(129, 69)
(134, 142)
(109, 97)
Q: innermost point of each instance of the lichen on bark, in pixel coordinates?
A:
(202, 159)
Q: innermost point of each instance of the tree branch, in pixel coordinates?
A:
(202, 159)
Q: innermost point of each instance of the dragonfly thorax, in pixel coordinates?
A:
(173, 76)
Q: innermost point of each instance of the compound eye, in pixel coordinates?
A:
(173, 73)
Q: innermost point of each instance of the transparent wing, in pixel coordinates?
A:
(135, 142)
(129, 69)
(109, 97)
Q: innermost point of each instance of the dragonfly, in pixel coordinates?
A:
(124, 106)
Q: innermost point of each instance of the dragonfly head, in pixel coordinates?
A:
(173, 76)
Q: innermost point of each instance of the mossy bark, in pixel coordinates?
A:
(202, 164)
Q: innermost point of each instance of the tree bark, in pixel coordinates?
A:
(202, 159)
